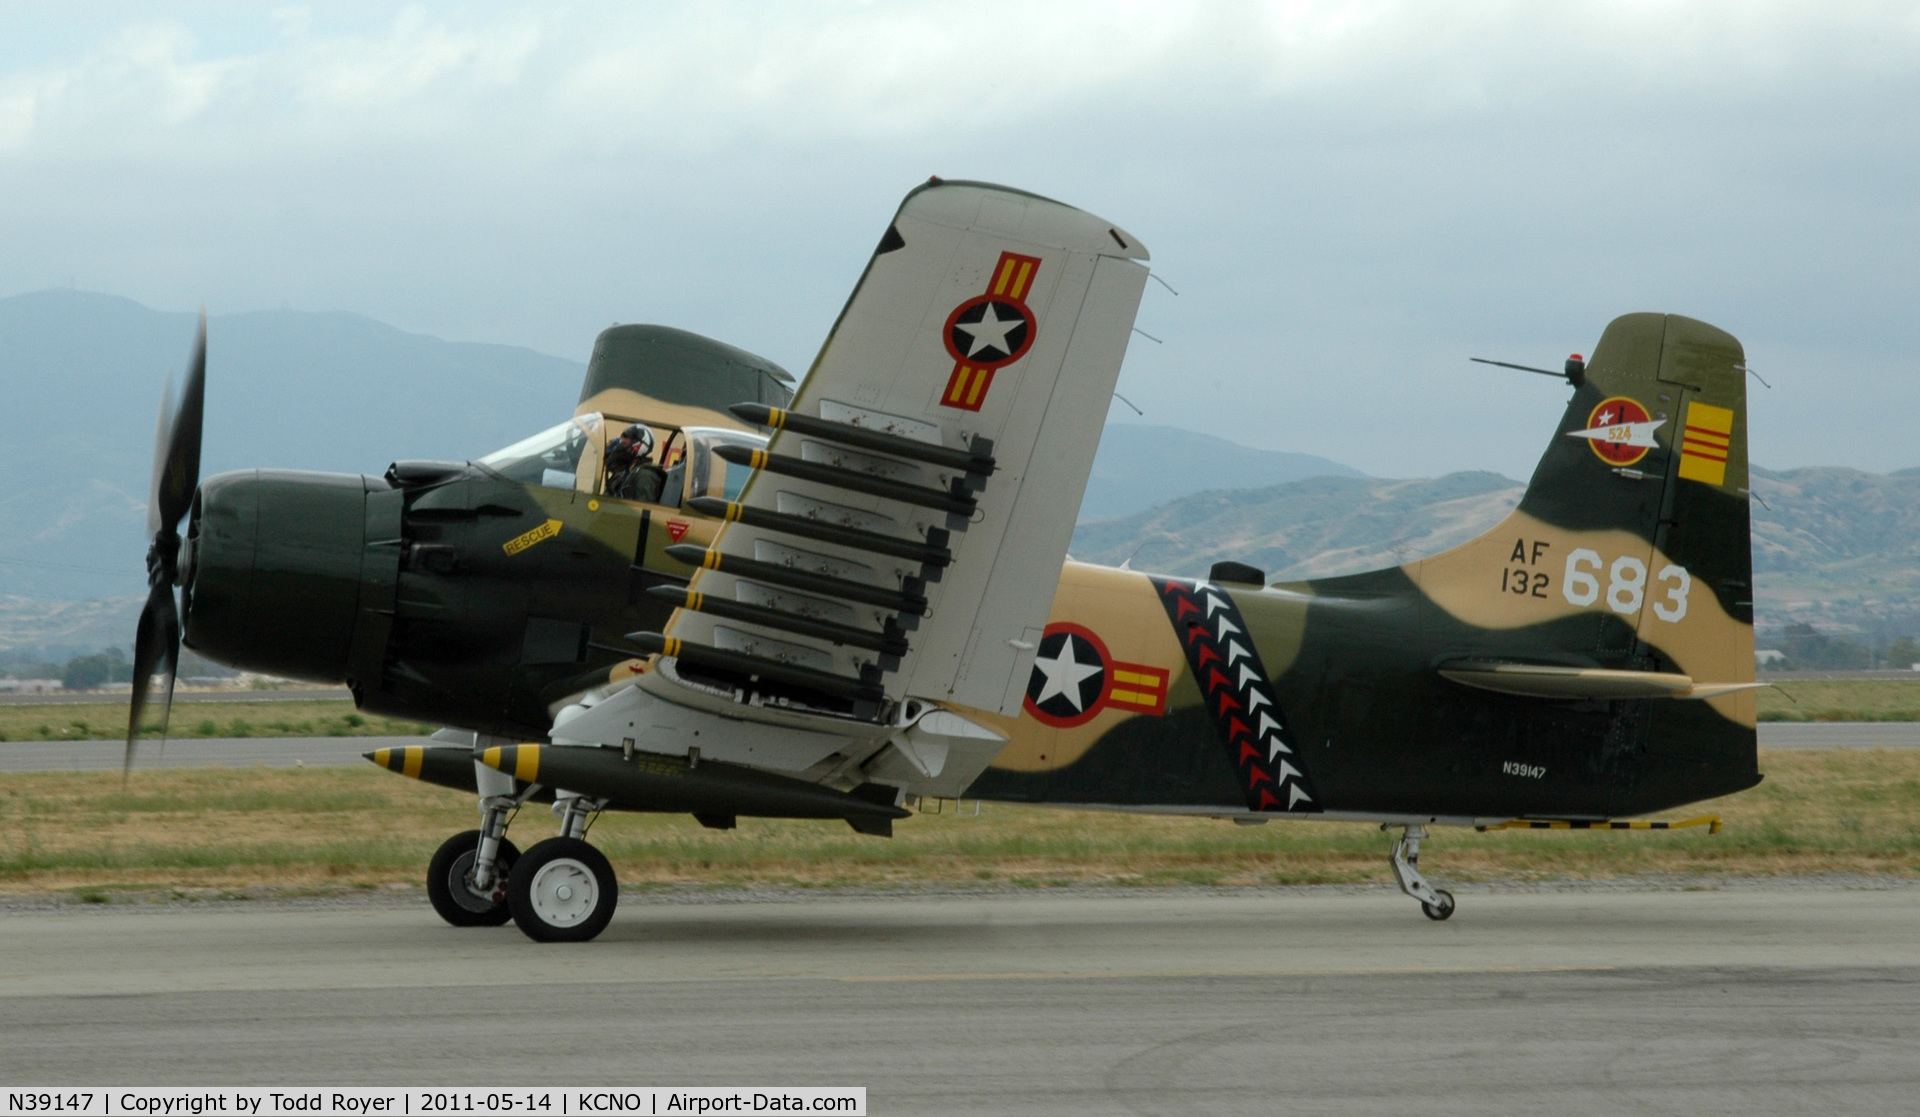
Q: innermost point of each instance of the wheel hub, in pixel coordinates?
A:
(460, 877)
(564, 892)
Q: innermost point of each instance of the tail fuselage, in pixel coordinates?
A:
(1626, 565)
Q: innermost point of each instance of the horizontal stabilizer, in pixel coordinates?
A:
(1535, 680)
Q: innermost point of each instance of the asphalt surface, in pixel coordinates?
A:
(1750, 1001)
(321, 752)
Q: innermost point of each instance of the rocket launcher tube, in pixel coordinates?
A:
(907, 600)
(969, 461)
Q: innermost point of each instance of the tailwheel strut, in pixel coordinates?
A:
(1437, 903)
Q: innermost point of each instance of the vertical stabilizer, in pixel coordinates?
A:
(1631, 551)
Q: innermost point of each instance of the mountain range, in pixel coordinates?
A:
(1836, 548)
(81, 375)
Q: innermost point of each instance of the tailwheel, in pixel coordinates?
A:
(562, 890)
(1436, 903)
(450, 883)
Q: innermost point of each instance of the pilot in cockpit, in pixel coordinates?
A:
(631, 472)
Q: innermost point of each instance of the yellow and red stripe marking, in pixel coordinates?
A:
(967, 387)
(1705, 443)
(1012, 278)
(1138, 689)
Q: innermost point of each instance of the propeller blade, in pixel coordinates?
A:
(161, 436)
(180, 475)
(157, 640)
(176, 474)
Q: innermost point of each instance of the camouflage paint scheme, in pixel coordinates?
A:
(452, 593)
(1360, 711)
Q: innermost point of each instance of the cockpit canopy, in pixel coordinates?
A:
(677, 378)
(572, 455)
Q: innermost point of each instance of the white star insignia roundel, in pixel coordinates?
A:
(990, 332)
(1064, 672)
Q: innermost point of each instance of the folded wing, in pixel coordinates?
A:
(901, 537)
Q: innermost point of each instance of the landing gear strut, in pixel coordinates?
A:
(1437, 903)
(467, 878)
(452, 887)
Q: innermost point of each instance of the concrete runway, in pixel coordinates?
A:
(45, 756)
(1748, 1001)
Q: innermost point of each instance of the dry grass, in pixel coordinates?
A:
(108, 720)
(1814, 700)
(1841, 700)
(1819, 811)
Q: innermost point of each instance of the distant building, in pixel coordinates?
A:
(30, 686)
(1763, 657)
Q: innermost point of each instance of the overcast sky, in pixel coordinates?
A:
(1351, 198)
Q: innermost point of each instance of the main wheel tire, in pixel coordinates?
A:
(562, 890)
(453, 897)
(1443, 910)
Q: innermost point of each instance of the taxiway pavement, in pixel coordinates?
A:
(1754, 1000)
(245, 752)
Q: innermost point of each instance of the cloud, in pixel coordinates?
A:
(708, 74)
(1352, 196)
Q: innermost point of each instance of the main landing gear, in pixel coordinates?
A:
(1437, 903)
(455, 889)
(561, 890)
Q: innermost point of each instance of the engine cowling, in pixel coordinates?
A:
(272, 577)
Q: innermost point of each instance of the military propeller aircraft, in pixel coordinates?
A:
(851, 596)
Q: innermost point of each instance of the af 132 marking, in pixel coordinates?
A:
(1518, 579)
(990, 331)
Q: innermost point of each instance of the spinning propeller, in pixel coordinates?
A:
(176, 474)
